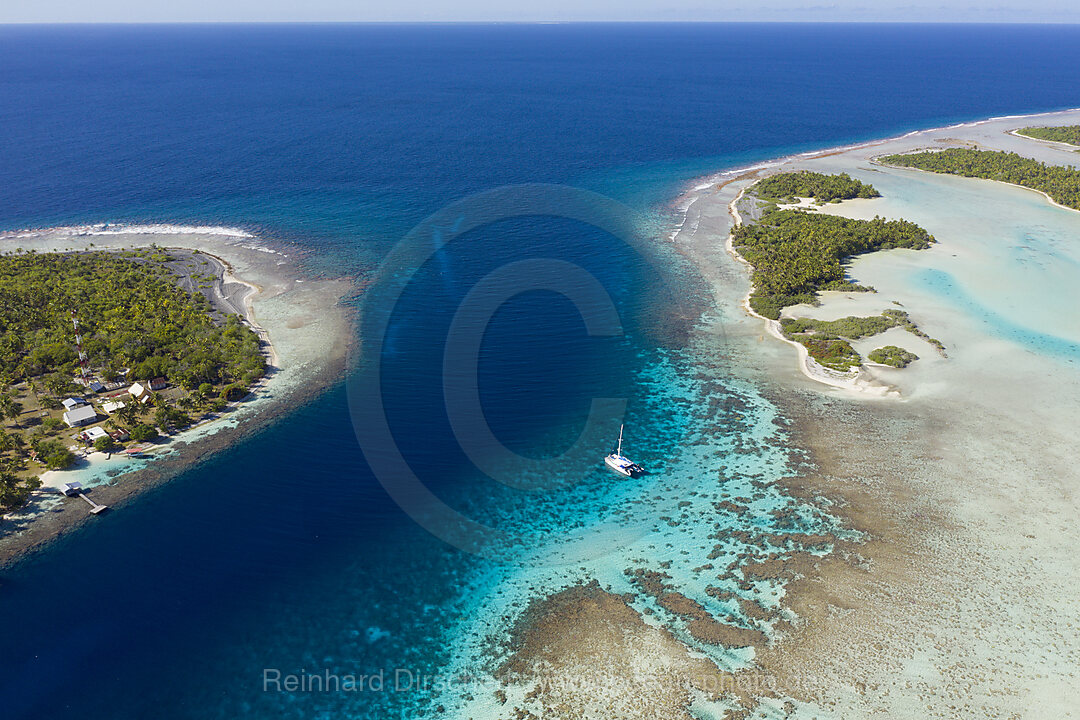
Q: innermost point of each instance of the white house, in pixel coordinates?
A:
(81, 415)
(72, 402)
(159, 383)
(137, 391)
(95, 433)
(111, 407)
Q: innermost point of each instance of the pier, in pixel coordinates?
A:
(74, 489)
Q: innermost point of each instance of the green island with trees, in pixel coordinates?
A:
(819, 186)
(1059, 182)
(139, 329)
(795, 254)
(892, 355)
(828, 341)
(1069, 134)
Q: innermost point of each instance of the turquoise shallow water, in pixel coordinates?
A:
(944, 286)
(285, 552)
(1004, 265)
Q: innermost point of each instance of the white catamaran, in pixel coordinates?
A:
(620, 464)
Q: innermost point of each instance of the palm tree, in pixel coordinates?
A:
(162, 419)
(33, 387)
(129, 413)
(10, 408)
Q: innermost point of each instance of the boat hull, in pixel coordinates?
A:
(623, 466)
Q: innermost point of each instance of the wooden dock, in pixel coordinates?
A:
(74, 489)
(94, 507)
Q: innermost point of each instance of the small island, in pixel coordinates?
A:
(787, 187)
(893, 356)
(1067, 134)
(1058, 182)
(188, 339)
(795, 254)
(104, 350)
(828, 341)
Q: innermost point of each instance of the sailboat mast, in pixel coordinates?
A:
(619, 452)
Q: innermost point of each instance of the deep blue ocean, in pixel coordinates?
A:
(285, 551)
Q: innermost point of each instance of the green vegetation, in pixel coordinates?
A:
(902, 320)
(1068, 134)
(105, 444)
(234, 391)
(143, 433)
(136, 324)
(53, 454)
(827, 341)
(1059, 182)
(795, 254)
(823, 188)
(169, 418)
(132, 315)
(832, 352)
(15, 487)
(898, 357)
(15, 490)
(852, 328)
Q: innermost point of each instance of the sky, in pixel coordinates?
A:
(1009, 11)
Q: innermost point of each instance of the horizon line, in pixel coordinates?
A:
(24, 23)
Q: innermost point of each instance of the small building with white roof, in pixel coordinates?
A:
(96, 433)
(113, 406)
(79, 416)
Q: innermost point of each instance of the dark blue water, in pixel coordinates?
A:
(284, 551)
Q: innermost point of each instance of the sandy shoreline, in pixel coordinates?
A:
(957, 601)
(856, 381)
(307, 332)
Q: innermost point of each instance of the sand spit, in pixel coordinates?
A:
(957, 602)
(307, 329)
